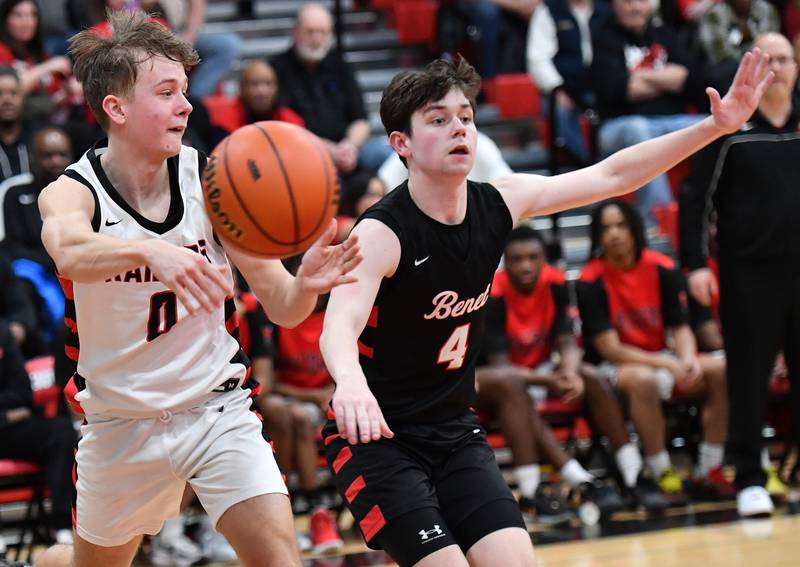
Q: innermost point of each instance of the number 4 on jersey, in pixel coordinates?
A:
(454, 349)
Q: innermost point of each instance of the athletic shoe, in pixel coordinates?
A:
(550, 508)
(669, 482)
(303, 542)
(324, 532)
(213, 545)
(647, 495)
(778, 491)
(754, 502)
(175, 552)
(715, 486)
(603, 497)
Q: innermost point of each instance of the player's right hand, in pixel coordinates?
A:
(702, 285)
(358, 415)
(195, 281)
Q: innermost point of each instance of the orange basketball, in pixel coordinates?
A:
(271, 189)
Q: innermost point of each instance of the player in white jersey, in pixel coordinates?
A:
(163, 381)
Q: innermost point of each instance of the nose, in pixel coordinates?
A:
(186, 106)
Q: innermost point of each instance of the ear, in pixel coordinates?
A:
(113, 107)
(400, 143)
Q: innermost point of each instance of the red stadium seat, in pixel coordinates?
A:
(514, 94)
(223, 111)
(415, 21)
(22, 482)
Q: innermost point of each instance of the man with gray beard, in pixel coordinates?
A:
(319, 85)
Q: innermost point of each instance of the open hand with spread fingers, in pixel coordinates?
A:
(325, 266)
(752, 79)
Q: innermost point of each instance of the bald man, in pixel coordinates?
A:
(750, 178)
(20, 223)
(258, 96)
(320, 86)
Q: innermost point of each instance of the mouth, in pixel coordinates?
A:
(460, 150)
(178, 129)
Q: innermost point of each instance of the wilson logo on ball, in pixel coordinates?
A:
(213, 195)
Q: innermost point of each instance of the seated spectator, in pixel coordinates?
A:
(502, 26)
(644, 82)
(489, 165)
(258, 96)
(527, 323)
(28, 435)
(630, 298)
(790, 21)
(218, 51)
(559, 54)
(366, 190)
(14, 132)
(18, 311)
(20, 221)
(727, 31)
(47, 81)
(319, 85)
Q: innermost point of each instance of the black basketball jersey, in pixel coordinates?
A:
(421, 342)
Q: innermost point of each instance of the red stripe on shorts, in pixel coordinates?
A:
(365, 350)
(343, 456)
(327, 441)
(372, 523)
(355, 487)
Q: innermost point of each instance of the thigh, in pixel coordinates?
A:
(510, 547)
(473, 495)
(125, 482)
(420, 538)
(86, 554)
(379, 481)
(224, 456)
(261, 530)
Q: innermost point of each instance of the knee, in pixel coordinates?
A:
(636, 129)
(639, 382)
(301, 420)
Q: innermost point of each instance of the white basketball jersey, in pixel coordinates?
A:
(140, 351)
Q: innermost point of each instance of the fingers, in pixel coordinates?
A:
(385, 431)
(200, 295)
(743, 71)
(327, 237)
(714, 97)
(764, 84)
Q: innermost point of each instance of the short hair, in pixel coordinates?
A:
(632, 218)
(8, 71)
(110, 65)
(409, 91)
(524, 232)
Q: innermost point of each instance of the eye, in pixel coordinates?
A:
(466, 119)
(437, 120)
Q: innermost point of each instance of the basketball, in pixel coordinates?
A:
(270, 189)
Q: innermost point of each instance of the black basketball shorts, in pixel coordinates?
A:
(429, 487)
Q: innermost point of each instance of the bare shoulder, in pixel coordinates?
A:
(380, 247)
(66, 196)
(521, 192)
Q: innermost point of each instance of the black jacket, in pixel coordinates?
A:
(751, 179)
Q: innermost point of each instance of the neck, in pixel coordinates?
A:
(136, 176)
(623, 262)
(775, 109)
(10, 132)
(442, 198)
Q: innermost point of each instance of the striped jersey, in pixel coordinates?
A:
(139, 352)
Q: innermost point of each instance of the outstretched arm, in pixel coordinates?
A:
(629, 169)
(358, 415)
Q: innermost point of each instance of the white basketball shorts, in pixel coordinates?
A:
(131, 473)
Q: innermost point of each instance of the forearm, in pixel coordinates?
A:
(685, 345)
(570, 358)
(340, 351)
(641, 88)
(633, 167)
(92, 257)
(285, 302)
(196, 15)
(627, 354)
(670, 79)
(358, 132)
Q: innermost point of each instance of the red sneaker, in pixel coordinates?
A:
(714, 486)
(324, 532)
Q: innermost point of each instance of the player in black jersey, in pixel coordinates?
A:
(408, 455)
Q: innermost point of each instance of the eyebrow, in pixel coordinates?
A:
(432, 107)
(174, 81)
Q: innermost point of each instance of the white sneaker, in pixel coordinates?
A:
(213, 545)
(177, 551)
(754, 501)
(63, 537)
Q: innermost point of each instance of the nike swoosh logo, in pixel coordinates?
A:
(109, 223)
(26, 199)
(418, 262)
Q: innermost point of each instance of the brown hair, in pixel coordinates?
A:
(411, 90)
(110, 65)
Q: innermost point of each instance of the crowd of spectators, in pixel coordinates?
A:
(641, 67)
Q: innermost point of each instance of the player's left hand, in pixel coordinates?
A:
(693, 372)
(571, 385)
(752, 79)
(325, 266)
